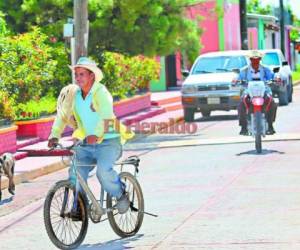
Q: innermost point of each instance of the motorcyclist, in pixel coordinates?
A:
(256, 72)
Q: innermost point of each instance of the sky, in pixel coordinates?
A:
(295, 4)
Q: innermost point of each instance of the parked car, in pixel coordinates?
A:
(208, 85)
(282, 85)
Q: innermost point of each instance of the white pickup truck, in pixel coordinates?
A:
(208, 85)
(282, 86)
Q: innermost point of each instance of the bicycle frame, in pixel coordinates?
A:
(98, 208)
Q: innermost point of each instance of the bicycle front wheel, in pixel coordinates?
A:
(129, 223)
(65, 231)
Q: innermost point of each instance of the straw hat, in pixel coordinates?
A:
(255, 54)
(85, 62)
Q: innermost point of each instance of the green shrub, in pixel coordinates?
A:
(296, 74)
(3, 26)
(62, 74)
(124, 75)
(33, 69)
(30, 67)
(26, 66)
(6, 106)
(35, 109)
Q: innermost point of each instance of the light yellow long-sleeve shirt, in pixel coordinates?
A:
(102, 103)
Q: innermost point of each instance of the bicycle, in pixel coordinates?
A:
(65, 231)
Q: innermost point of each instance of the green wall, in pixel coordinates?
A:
(261, 34)
(160, 85)
(220, 6)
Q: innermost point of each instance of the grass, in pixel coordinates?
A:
(296, 74)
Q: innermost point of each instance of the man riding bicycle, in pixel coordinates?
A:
(87, 106)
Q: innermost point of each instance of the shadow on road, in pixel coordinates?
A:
(217, 118)
(264, 152)
(165, 137)
(112, 244)
(7, 200)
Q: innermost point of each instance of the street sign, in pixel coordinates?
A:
(68, 30)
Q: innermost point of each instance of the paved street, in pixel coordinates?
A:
(219, 195)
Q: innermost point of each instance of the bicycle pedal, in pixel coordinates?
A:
(134, 209)
(154, 215)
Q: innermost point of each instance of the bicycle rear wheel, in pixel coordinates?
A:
(61, 227)
(129, 223)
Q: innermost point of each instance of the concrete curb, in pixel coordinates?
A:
(296, 83)
(51, 168)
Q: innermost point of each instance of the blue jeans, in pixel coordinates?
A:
(104, 156)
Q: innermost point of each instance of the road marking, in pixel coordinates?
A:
(212, 141)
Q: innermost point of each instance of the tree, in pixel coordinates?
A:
(255, 6)
(49, 15)
(143, 27)
(149, 27)
(295, 31)
(3, 28)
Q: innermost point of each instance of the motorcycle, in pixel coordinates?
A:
(257, 106)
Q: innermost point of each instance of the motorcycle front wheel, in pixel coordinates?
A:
(258, 125)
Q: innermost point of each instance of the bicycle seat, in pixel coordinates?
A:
(132, 160)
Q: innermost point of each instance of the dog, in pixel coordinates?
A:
(7, 168)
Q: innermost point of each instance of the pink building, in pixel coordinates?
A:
(220, 24)
(263, 32)
(221, 31)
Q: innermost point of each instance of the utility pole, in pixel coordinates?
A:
(281, 10)
(243, 24)
(80, 28)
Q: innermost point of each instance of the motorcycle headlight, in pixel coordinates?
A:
(189, 89)
(277, 79)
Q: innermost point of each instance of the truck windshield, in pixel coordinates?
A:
(219, 64)
(270, 59)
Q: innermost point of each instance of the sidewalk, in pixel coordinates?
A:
(166, 108)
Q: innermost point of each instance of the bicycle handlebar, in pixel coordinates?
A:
(60, 146)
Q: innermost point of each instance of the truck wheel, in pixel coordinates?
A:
(283, 98)
(205, 113)
(291, 93)
(188, 114)
(258, 123)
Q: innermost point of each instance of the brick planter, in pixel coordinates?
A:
(132, 105)
(41, 128)
(35, 128)
(8, 139)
